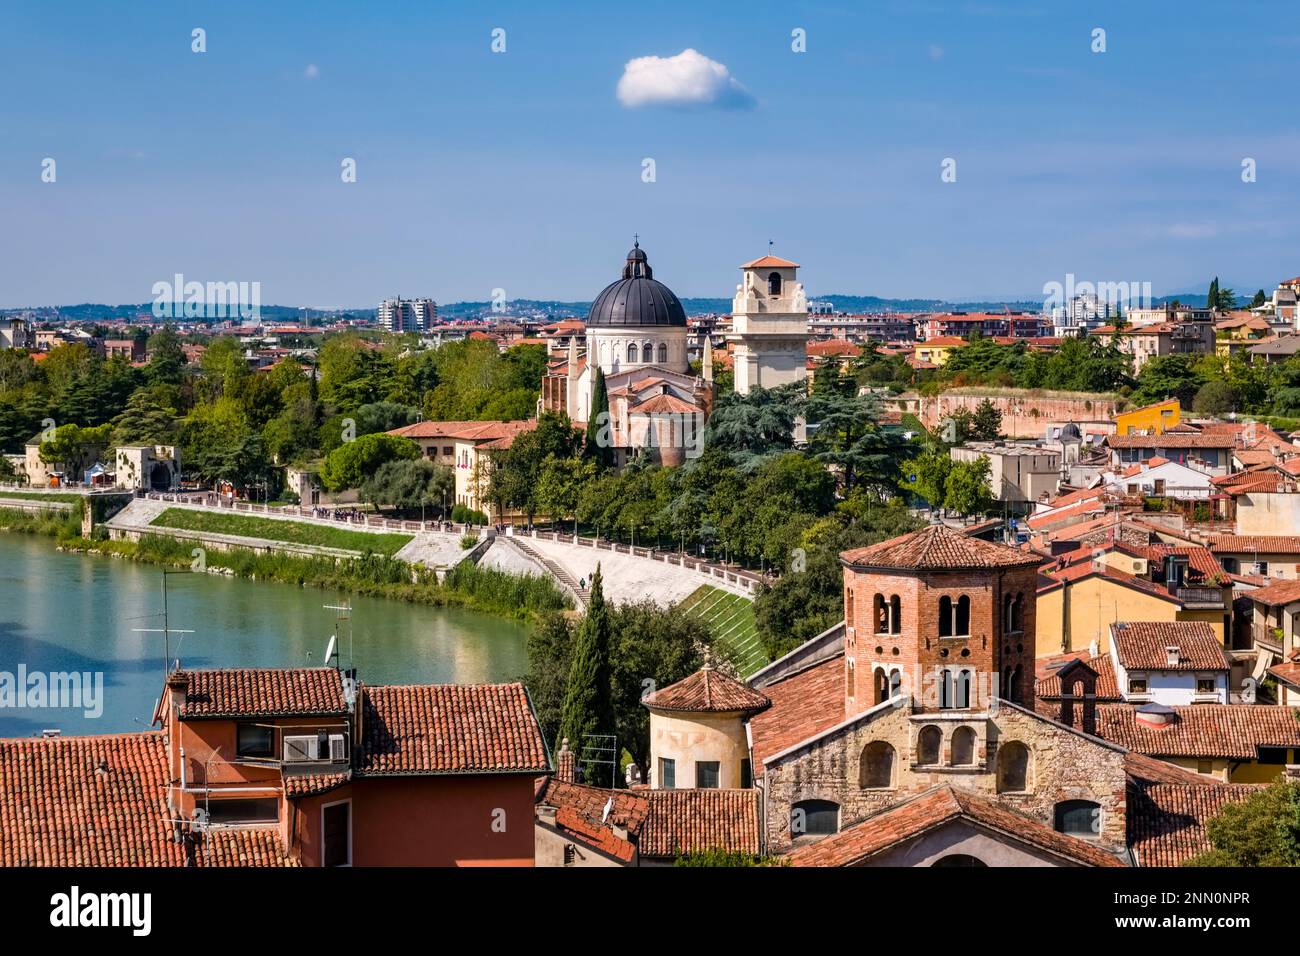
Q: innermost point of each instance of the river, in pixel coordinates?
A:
(73, 612)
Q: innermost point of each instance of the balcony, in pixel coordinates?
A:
(1200, 599)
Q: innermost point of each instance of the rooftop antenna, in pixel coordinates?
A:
(166, 630)
(342, 612)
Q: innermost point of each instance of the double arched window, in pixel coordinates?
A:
(888, 614)
(876, 769)
(955, 689)
(954, 616)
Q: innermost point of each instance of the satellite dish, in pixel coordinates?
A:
(330, 649)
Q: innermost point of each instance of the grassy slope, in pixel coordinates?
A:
(272, 529)
(37, 496)
(731, 619)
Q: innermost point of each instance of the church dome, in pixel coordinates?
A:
(636, 300)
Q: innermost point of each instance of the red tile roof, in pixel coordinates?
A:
(1166, 822)
(242, 847)
(691, 821)
(86, 801)
(708, 690)
(628, 810)
(1287, 673)
(660, 404)
(468, 431)
(1278, 594)
(261, 692)
(937, 548)
(936, 808)
(450, 729)
(1204, 731)
(1049, 681)
(297, 786)
(1143, 645)
(770, 262)
(1170, 440)
(1269, 544)
(803, 705)
(596, 834)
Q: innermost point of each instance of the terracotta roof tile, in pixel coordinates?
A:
(803, 705)
(1168, 440)
(297, 786)
(708, 690)
(1166, 822)
(450, 729)
(85, 801)
(1143, 645)
(628, 811)
(933, 809)
(1277, 594)
(689, 821)
(1049, 683)
(261, 692)
(1205, 731)
(242, 847)
(598, 835)
(1269, 544)
(937, 548)
(1287, 673)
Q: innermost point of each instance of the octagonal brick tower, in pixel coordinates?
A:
(942, 617)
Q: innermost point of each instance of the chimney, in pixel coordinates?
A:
(565, 765)
(1172, 656)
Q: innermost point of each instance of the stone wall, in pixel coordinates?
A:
(1064, 765)
(1026, 413)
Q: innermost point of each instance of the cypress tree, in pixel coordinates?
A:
(598, 419)
(588, 705)
(1212, 300)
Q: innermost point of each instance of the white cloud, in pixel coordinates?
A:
(688, 79)
(312, 71)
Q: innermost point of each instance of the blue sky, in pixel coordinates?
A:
(523, 170)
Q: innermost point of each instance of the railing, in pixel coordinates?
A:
(348, 517)
(1202, 597)
(747, 580)
(1267, 637)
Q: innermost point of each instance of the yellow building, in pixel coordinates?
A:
(1077, 611)
(936, 351)
(1149, 419)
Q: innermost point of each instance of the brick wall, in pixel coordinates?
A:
(1025, 413)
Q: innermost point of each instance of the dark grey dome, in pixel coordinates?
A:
(636, 299)
(1071, 432)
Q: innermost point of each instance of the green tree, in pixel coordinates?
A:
(751, 426)
(166, 358)
(1260, 299)
(1262, 830)
(986, 423)
(73, 448)
(517, 471)
(351, 463)
(409, 484)
(144, 422)
(966, 489)
(1212, 299)
(588, 701)
(1215, 398)
(927, 475)
(599, 441)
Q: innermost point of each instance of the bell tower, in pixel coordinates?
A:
(769, 325)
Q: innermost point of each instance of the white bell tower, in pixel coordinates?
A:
(769, 325)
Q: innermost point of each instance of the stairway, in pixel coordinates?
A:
(557, 570)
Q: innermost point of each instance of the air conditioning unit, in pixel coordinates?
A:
(301, 748)
(338, 749)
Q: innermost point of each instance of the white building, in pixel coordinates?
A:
(1079, 315)
(1173, 663)
(408, 315)
(16, 334)
(769, 326)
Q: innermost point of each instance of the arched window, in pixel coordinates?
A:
(1008, 613)
(850, 678)
(1013, 767)
(947, 690)
(647, 353)
(880, 681)
(663, 354)
(814, 818)
(959, 859)
(631, 351)
(880, 614)
(774, 283)
(848, 606)
(962, 625)
(1012, 692)
(895, 683)
(963, 682)
(876, 770)
(895, 615)
(963, 747)
(928, 743)
(945, 616)
(1081, 818)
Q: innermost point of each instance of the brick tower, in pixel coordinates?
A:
(942, 617)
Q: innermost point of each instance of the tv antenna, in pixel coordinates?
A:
(342, 614)
(166, 630)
